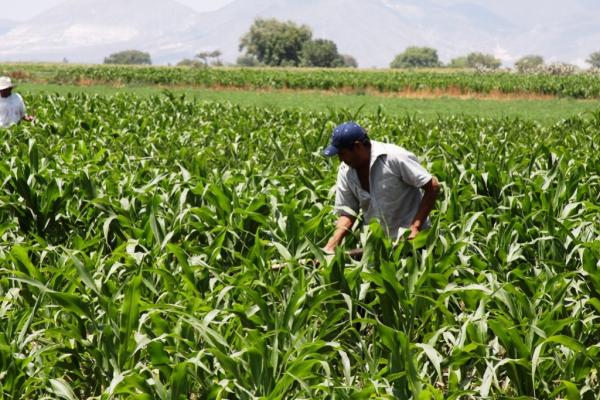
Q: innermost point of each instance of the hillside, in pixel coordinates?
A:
(373, 31)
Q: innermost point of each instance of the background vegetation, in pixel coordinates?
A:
(554, 81)
(129, 57)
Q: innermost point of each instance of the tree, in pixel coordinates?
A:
(128, 57)
(416, 57)
(275, 43)
(207, 55)
(478, 60)
(349, 61)
(458, 62)
(247, 61)
(321, 53)
(186, 62)
(594, 59)
(475, 60)
(528, 63)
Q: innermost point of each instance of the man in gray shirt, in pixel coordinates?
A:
(384, 180)
(12, 107)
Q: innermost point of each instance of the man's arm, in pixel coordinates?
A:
(23, 111)
(342, 227)
(431, 190)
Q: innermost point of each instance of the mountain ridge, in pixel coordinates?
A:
(373, 31)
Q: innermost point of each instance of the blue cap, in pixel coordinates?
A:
(344, 136)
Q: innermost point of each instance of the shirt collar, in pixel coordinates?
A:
(378, 149)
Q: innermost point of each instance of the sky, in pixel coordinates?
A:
(545, 10)
(23, 10)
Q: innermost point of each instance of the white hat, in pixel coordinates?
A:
(5, 82)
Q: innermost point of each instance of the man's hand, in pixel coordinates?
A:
(430, 190)
(343, 226)
(414, 231)
(328, 250)
(29, 118)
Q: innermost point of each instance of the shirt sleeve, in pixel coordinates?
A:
(406, 165)
(22, 109)
(346, 202)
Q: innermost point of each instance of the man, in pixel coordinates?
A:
(384, 180)
(12, 108)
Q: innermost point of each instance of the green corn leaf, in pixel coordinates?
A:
(129, 316)
(62, 389)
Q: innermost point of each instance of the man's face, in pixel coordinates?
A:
(353, 157)
(5, 92)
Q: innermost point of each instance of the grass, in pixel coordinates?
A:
(547, 111)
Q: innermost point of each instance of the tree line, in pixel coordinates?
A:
(426, 57)
(274, 43)
(269, 42)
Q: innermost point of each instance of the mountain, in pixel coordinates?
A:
(373, 31)
(89, 30)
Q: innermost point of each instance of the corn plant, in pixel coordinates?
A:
(139, 236)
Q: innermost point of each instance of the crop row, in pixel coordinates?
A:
(581, 86)
(139, 235)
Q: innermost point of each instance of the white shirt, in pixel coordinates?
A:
(394, 197)
(12, 110)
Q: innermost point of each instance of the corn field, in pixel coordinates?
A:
(139, 238)
(551, 82)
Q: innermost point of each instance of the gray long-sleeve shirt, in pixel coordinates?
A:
(12, 110)
(394, 197)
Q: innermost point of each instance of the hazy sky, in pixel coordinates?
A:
(25, 9)
(544, 10)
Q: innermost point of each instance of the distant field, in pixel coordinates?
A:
(428, 82)
(427, 94)
(543, 111)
